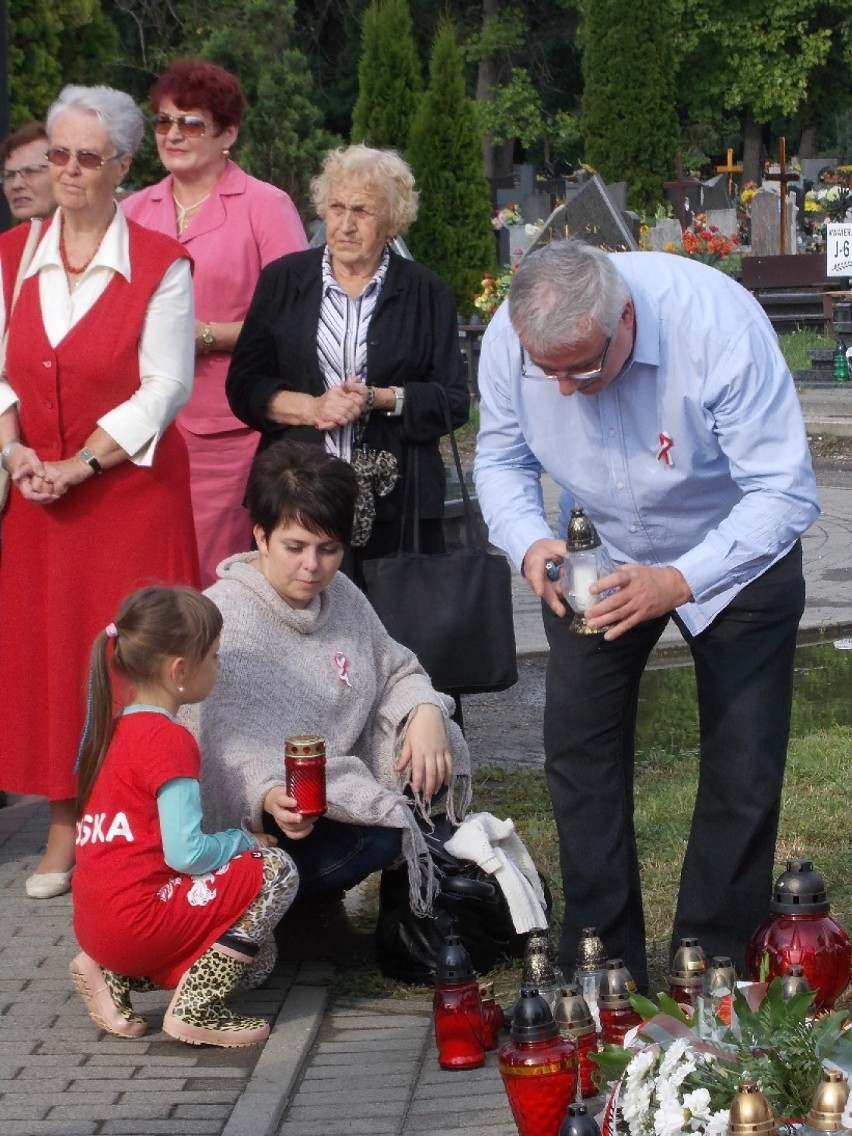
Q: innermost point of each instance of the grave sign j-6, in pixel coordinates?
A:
(838, 249)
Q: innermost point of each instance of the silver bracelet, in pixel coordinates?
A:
(4, 453)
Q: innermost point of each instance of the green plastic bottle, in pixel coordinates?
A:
(840, 368)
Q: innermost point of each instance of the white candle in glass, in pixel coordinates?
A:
(582, 574)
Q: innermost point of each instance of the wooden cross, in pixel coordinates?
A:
(680, 185)
(730, 168)
(783, 178)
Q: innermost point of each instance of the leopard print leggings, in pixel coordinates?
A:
(261, 917)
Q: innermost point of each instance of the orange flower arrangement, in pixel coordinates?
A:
(707, 244)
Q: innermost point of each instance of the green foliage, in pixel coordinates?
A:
(795, 346)
(453, 234)
(389, 77)
(776, 1047)
(282, 139)
(51, 44)
(628, 117)
(779, 1050)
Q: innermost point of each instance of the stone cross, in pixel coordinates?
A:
(783, 177)
(680, 185)
(730, 168)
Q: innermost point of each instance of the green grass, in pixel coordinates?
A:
(814, 817)
(795, 346)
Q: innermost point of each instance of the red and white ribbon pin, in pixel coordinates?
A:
(666, 444)
(342, 665)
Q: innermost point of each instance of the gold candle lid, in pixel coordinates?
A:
(304, 745)
(829, 1101)
(750, 1113)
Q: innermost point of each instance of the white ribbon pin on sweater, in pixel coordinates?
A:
(495, 846)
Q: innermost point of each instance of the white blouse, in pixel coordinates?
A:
(166, 348)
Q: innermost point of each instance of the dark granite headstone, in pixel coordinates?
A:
(714, 193)
(591, 216)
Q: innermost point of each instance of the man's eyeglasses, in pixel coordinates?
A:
(192, 125)
(26, 172)
(86, 159)
(569, 375)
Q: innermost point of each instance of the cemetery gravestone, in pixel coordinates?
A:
(666, 231)
(591, 216)
(725, 220)
(713, 194)
(765, 224)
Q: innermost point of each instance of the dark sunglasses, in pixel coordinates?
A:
(86, 159)
(192, 125)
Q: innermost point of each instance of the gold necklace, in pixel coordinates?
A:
(183, 211)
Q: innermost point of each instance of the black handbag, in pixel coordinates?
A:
(469, 899)
(452, 609)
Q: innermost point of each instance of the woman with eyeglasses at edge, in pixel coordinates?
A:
(99, 360)
(232, 225)
(26, 174)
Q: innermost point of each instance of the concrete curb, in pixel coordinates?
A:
(261, 1106)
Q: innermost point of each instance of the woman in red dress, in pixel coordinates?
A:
(99, 360)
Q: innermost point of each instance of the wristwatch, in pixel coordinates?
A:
(88, 458)
(7, 449)
(207, 340)
(399, 395)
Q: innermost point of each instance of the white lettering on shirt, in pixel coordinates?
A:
(91, 829)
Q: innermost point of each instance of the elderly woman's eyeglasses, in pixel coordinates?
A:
(192, 125)
(569, 375)
(26, 172)
(86, 159)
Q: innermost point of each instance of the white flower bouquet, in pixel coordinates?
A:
(671, 1081)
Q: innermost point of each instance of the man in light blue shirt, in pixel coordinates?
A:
(686, 448)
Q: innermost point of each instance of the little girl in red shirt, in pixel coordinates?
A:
(156, 899)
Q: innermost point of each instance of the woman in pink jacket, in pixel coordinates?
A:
(232, 225)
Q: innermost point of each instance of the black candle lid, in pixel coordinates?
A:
(799, 890)
(532, 1019)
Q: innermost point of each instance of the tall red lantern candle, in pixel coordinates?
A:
(538, 1067)
(574, 1018)
(457, 1008)
(689, 974)
(801, 932)
(616, 1013)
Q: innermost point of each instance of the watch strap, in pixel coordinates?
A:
(88, 458)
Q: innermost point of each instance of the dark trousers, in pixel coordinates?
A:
(744, 677)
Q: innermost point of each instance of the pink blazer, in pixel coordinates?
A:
(240, 228)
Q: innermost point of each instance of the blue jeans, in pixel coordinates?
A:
(337, 856)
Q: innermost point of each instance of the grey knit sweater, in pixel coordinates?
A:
(331, 670)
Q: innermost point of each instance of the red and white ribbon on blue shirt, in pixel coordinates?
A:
(664, 454)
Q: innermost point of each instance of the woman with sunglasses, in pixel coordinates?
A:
(231, 225)
(99, 360)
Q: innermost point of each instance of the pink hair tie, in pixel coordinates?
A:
(111, 630)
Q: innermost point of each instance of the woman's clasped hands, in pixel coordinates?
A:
(44, 482)
(340, 405)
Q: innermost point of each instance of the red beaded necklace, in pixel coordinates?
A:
(71, 269)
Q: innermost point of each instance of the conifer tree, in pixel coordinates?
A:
(628, 117)
(389, 77)
(453, 234)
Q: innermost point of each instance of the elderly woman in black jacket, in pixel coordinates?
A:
(353, 347)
